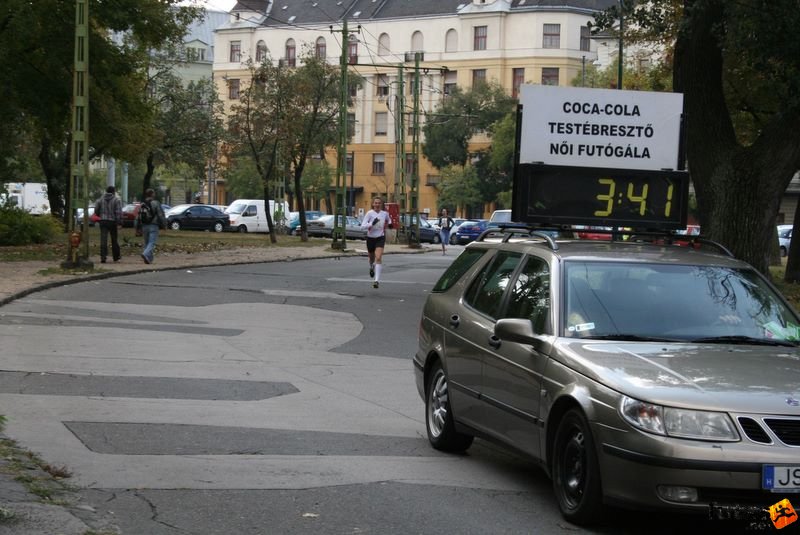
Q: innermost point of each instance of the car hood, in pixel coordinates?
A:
(737, 378)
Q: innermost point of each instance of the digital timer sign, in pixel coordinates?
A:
(560, 195)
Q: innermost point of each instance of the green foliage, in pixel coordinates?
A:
(461, 115)
(18, 227)
(242, 178)
(317, 178)
(657, 77)
(460, 187)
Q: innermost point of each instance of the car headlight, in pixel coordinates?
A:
(678, 423)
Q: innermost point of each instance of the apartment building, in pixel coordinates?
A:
(463, 42)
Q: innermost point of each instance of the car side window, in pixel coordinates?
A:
(529, 297)
(457, 269)
(486, 292)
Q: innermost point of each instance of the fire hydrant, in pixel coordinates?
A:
(74, 242)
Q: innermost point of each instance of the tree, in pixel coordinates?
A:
(36, 57)
(317, 180)
(187, 121)
(460, 188)
(738, 67)
(461, 115)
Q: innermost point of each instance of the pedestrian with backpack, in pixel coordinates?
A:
(150, 220)
(109, 211)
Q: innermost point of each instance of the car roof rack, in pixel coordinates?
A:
(511, 229)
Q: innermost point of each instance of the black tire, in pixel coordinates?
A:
(453, 240)
(439, 415)
(218, 226)
(575, 470)
(175, 225)
(242, 229)
(437, 239)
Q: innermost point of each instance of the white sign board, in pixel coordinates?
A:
(583, 127)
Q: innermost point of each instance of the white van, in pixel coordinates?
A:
(248, 215)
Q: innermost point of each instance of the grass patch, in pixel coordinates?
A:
(169, 241)
(39, 478)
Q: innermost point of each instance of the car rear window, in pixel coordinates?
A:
(457, 269)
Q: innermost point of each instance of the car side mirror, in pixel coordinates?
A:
(520, 331)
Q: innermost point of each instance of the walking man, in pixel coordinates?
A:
(109, 209)
(445, 224)
(151, 219)
(375, 222)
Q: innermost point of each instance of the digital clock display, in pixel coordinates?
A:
(557, 195)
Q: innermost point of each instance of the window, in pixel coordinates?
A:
(352, 49)
(450, 79)
(236, 51)
(416, 42)
(550, 76)
(382, 85)
(353, 89)
(290, 53)
(261, 51)
(348, 163)
(478, 77)
(410, 167)
(233, 89)
(381, 120)
(457, 269)
(517, 79)
(351, 125)
(479, 40)
(451, 41)
(552, 36)
(321, 48)
(195, 54)
(410, 123)
(383, 45)
(486, 292)
(378, 164)
(529, 297)
(585, 38)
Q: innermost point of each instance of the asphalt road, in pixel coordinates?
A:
(259, 399)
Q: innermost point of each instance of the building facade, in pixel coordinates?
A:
(463, 43)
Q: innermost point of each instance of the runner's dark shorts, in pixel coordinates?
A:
(374, 243)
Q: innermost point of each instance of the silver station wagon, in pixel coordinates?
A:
(649, 376)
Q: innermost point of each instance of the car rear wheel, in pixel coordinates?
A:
(218, 227)
(439, 416)
(575, 470)
(175, 225)
(242, 229)
(437, 239)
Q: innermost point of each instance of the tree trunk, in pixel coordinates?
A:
(270, 223)
(57, 181)
(149, 171)
(302, 230)
(738, 188)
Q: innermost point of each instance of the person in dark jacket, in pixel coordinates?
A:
(151, 225)
(109, 210)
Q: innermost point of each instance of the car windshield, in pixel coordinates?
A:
(236, 208)
(630, 301)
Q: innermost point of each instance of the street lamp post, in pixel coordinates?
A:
(583, 71)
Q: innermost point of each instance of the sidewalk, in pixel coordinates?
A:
(22, 512)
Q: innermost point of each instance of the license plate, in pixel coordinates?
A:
(781, 477)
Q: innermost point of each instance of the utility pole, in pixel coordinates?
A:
(415, 151)
(339, 219)
(400, 143)
(78, 256)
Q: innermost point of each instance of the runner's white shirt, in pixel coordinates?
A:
(377, 229)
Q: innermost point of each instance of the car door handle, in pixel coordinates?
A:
(494, 341)
(454, 320)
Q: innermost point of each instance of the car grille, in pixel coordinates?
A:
(787, 430)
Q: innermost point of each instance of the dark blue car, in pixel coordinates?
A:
(469, 230)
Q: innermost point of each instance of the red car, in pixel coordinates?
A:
(129, 214)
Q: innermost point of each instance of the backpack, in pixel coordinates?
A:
(146, 213)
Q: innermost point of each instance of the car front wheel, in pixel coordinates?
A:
(439, 415)
(218, 227)
(242, 229)
(175, 225)
(436, 238)
(575, 470)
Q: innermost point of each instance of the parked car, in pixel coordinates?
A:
(79, 216)
(785, 238)
(468, 231)
(294, 219)
(427, 231)
(129, 214)
(198, 217)
(177, 209)
(654, 376)
(323, 227)
(594, 233)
